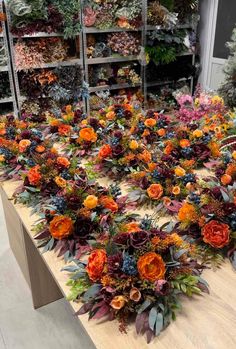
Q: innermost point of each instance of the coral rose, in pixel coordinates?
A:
(151, 267)
(118, 302)
(179, 171)
(187, 213)
(88, 134)
(226, 179)
(176, 190)
(155, 191)
(133, 145)
(132, 227)
(216, 234)
(135, 294)
(150, 122)
(61, 182)
(96, 263)
(34, 175)
(109, 203)
(184, 143)
(61, 227)
(40, 149)
(23, 145)
(64, 130)
(104, 151)
(90, 202)
(62, 161)
(161, 132)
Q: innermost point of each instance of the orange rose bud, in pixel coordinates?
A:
(168, 149)
(155, 191)
(135, 294)
(180, 172)
(109, 203)
(152, 166)
(90, 202)
(216, 234)
(226, 179)
(34, 175)
(61, 182)
(110, 115)
(23, 145)
(96, 263)
(132, 227)
(166, 201)
(133, 145)
(40, 149)
(118, 302)
(184, 143)
(197, 133)
(151, 267)
(88, 134)
(61, 227)
(150, 122)
(64, 130)
(104, 151)
(62, 161)
(161, 132)
(176, 190)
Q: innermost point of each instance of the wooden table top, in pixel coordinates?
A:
(205, 322)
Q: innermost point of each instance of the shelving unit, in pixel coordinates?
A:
(8, 102)
(70, 61)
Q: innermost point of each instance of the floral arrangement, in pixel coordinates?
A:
(138, 274)
(124, 43)
(31, 54)
(209, 216)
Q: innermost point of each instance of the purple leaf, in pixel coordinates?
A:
(84, 309)
(102, 311)
(42, 235)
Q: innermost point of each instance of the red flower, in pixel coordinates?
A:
(216, 234)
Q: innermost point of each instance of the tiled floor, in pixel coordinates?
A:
(22, 327)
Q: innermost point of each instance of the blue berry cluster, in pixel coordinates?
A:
(115, 141)
(170, 135)
(190, 177)
(33, 145)
(6, 153)
(141, 126)
(65, 175)
(145, 223)
(120, 112)
(129, 265)
(10, 132)
(232, 223)
(31, 163)
(37, 133)
(60, 203)
(161, 123)
(194, 198)
(114, 190)
(206, 139)
(157, 176)
(187, 152)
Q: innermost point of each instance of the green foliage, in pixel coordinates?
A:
(161, 54)
(78, 287)
(169, 4)
(186, 284)
(209, 256)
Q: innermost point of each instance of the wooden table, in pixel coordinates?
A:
(205, 322)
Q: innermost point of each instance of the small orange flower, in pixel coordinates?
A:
(109, 203)
(231, 170)
(133, 145)
(34, 175)
(110, 115)
(132, 227)
(3, 132)
(61, 227)
(155, 191)
(187, 213)
(146, 133)
(184, 143)
(152, 166)
(226, 179)
(168, 149)
(40, 149)
(104, 151)
(180, 172)
(197, 133)
(188, 164)
(234, 155)
(64, 130)
(88, 134)
(151, 267)
(176, 190)
(62, 161)
(2, 158)
(90, 202)
(96, 263)
(215, 149)
(23, 145)
(145, 156)
(118, 302)
(55, 122)
(161, 132)
(61, 182)
(155, 241)
(135, 294)
(150, 122)
(166, 201)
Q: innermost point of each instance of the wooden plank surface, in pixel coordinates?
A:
(205, 322)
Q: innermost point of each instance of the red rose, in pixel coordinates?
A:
(216, 234)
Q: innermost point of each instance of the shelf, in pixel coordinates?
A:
(160, 83)
(4, 68)
(37, 35)
(94, 30)
(111, 59)
(112, 87)
(179, 26)
(6, 100)
(57, 64)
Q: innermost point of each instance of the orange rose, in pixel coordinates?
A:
(145, 156)
(215, 149)
(132, 227)
(64, 130)
(62, 161)
(118, 302)
(23, 145)
(161, 132)
(40, 149)
(90, 202)
(104, 151)
(226, 179)
(135, 294)
(176, 190)
(151, 267)
(146, 133)
(34, 175)
(109, 203)
(3, 131)
(110, 115)
(187, 213)
(61, 227)
(88, 134)
(55, 122)
(133, 145)
(155, 191)
(61, 182)
(216, 234)
(152, 166)
(168, 149)
(180, 172)
(150, 122)
(231, 170)
(96, 263)
(197, 133)
(184, 143)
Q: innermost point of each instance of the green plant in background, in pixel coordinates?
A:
(26, 11)
(161, 54)
(169, 4)
(228, 88)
